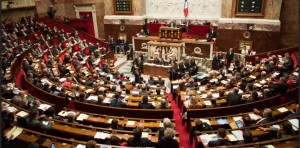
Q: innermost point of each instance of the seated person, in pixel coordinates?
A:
(164, 104)
(115, 124)
(137, 140)
(167, 124)
(144, 104)
(34, 122)
(200, 126)
(168, 139)
(266, 114)
(285, 130)
(221, 139)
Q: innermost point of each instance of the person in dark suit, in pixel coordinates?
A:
(34, 123)
(156, 61)
(253, 97)
(160, 81)
(151, 81)
(172, 24)
(171, 72)
(229, 57)
(266, 114)
(288, 64)
(221, 139)
(280, 87)
(200, 126)
(167, 124)
(216, 62)
(137, 140)
(145, 104)
(233, 98)
(167, 140)
(212, 33)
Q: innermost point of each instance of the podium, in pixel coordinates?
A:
(170, 33)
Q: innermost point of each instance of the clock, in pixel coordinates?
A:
(247, 34)
(122, 27)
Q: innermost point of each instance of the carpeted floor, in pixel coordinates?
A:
(184, 135)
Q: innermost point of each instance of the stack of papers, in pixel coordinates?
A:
(282, 109)
(12, 109)
(145, 135)
(237, 118)
(130, 123)
(207, 103)
(91, 97)
(253, 77)
(268, 146)
(257, 85)
(44, 107)
(253, 117)
(22, 114)
(238, 134)
(82, 116)
(101, 135)
(106, 100)
(295, 123)
(215, 95)
(110, 95)
(203, 96)
(205, 121)
(14, 132)
(231, 137)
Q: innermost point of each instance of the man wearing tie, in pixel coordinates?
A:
(211, 34)
(229, 57)
(172, 23)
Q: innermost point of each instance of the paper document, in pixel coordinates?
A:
(81, 117)
(238, 134)
(237, 118)
(207, 103)
(91, 97)
(205, 120)
(44, 107)
(22, 114)
(294, 122)
(145, 135)
(282, 109)
(231, 137)
(130, 123)
(63, 113)
(101, 135)
(253, 116)
(14, 132)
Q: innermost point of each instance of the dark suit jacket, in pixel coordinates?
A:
(229, 56)
(143, 142)
(169, 143)
(37, 125)
(234, 98)
(146, 106)
(219, 142)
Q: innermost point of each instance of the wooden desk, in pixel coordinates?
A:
(156, 70)
(170, 32)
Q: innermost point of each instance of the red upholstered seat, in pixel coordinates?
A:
(45, 56)
(76, 48)
(86, 51)
(295, 59)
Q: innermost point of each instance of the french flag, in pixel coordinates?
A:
(186, 8)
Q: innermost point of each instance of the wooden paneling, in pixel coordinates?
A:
(263, 41)
(114, 30)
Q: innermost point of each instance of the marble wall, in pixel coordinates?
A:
(200, 9)
(138, 7)
(289, 18)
